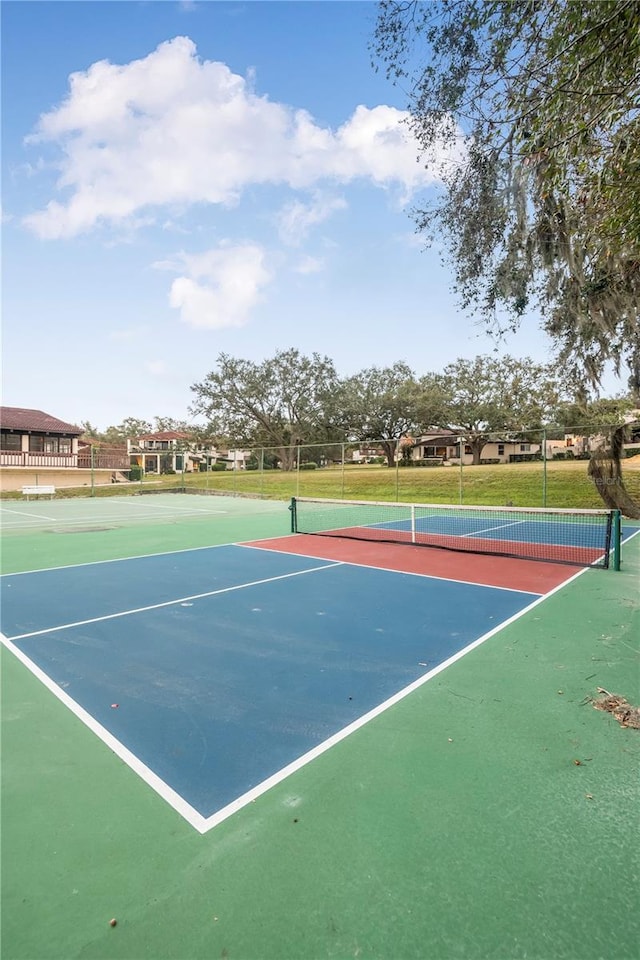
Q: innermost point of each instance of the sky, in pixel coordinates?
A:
(185, 179)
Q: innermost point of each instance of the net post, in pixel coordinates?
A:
(617, 538)
(294, 519)
(544, 468)
(397, 469)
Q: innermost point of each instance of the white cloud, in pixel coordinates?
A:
(309, 265)
(156, 367)
(220, 287)
(296, 218)
(173, 130)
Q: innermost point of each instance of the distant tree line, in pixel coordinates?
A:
(289, 401)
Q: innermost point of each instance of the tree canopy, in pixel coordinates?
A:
(386, 404)
(488, 396)
(543, 209)
(135, 427)
(283, 402)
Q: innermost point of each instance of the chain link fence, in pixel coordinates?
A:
(531, 469)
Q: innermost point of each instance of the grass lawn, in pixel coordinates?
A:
(562, 484)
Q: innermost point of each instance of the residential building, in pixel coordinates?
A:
(443, 446)
(38, 448)
(174, 451)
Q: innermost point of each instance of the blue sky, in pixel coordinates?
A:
(186, 179)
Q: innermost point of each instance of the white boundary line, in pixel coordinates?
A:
(23, 513)
(179, 804)
(65, 524)
(408, 573)
(177, 509)
(145, 773)
(172, 603)
(204, 824)
(138, 556)
(321, 748)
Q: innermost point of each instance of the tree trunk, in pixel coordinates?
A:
(477, 446)
(389, 447)
(288, 458)
(606, 472)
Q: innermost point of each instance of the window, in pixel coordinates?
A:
(525, 447)
(10, 441)
(49, 444)
(501, 449)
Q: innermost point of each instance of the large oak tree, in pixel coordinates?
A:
(283, 402)
(542, 211)
(490, 396)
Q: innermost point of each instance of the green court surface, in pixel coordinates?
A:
(493, 813)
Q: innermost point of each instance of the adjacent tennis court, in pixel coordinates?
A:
(339, 738)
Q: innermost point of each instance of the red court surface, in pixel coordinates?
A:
(533, 576)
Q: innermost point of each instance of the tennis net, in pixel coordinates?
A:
(578, 537)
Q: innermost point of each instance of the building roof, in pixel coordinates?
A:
(165, 435)
(107, 444)
(437, 433)
(32, 421)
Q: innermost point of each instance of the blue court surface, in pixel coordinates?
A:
(216, 668)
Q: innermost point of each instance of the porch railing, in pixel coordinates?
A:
(72, 461)
(25, 458)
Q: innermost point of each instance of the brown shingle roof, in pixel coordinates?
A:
(165, 435)
(21, 418)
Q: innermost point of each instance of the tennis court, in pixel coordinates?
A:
(239, 741)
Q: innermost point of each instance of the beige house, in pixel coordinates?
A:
(444, 447)
(571, 445)
(38, 449)
(172, 451)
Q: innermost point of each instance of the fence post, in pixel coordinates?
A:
(342, 478)
(93, 471)
(298, 471)
(544, 468)
(397, 470)
(262, 471)
(460, 482)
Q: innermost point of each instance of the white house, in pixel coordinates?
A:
(444, 446)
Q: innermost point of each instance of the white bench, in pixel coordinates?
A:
(39, 490)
